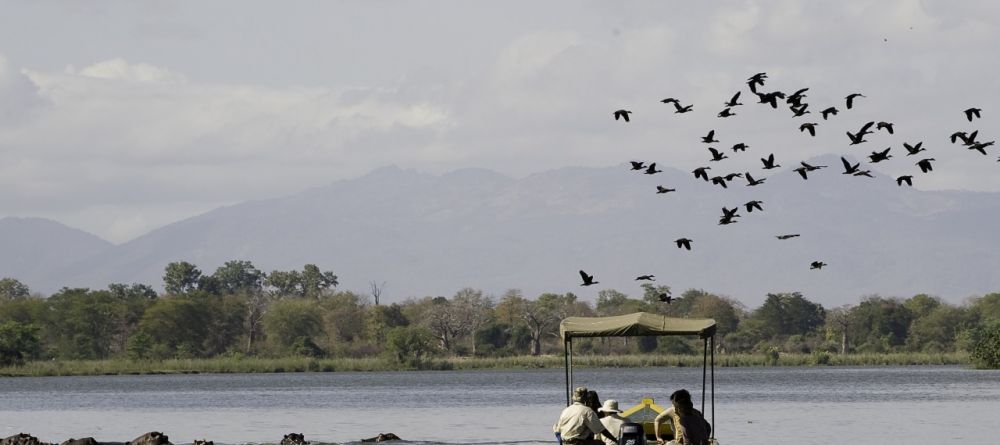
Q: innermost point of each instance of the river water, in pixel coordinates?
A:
(753, 405)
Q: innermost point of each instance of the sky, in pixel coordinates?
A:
(120, 117)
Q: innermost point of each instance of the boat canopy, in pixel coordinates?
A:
(634, 325)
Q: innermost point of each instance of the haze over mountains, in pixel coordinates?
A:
(432, 235)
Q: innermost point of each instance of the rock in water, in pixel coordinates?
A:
(382, 437)
(294, 439)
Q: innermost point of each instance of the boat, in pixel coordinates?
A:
(644, 324)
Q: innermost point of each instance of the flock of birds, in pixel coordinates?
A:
(799, 108)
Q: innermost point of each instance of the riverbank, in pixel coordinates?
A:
(229, 365)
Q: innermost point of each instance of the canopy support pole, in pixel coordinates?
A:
(567, 356)
(713, 388)
(704, 370)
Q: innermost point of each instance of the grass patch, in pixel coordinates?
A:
(226, 365)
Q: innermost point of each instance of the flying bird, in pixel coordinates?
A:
(740, 147)
(879, 156)
(925, 165)
(587, 279)
(751, 181)
(867, 173)
(827, 112)
(727, 113)
(669, 100)
(796, 98)
(799, 111)
(913, 149)
(622, 114)
(908, 179)
(717, 155)
(684, 243)
(755, 80)
(645, 278)
(651, 170)
(734, 101)
(678, 109)
(887, 126)
(784, 237)
(802, 172)
(754, 205)
(972, 112)
(849, 169)
(732, 176)
(850, 99)
(701, 172)
(769, 162)
(638, 165)
(816, 265)
(720, 181)
(709, 138)
(967, 139)
(661, 189)
(856, 138)
(811, 126)
(981, 146)
(810, 167)
(666, 298)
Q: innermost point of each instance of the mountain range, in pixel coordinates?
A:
(425, 234)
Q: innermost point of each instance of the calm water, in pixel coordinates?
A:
(753, 405)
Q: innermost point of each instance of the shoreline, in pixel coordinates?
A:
(258, 365)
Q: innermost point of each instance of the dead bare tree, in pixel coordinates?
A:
(376, 290)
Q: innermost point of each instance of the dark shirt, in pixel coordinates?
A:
(695, 430)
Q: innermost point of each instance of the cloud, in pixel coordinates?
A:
(119, 69)
(19, 98)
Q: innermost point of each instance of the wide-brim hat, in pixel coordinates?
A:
(610, 406)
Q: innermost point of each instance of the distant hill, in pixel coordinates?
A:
(432, 235)
(32, 248)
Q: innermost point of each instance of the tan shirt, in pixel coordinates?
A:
(577, 421)
(613, 423)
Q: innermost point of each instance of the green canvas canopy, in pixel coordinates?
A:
(633, 325)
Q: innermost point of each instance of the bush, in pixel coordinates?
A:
(821, 358)
(985, 353)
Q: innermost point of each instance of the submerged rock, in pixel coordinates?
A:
(294, 439)
(382, 437)
(83, 441)
(22, 439)
(151, 438)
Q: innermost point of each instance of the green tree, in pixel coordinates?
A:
(289, 321)
(82, 324)
(473, 310)
(315, 281)
(788, 314)
(935, 331)
(285, 283)
(177, 326)
(922, 304)
(410, 345)
(985, 351)
(987, 307)
(382, 318)
(880, 323)
(18, 343)
(613, 302)
(132, 301)
(12, 289)
(181, 277)
(238, 276)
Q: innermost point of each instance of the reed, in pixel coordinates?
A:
(240, 364)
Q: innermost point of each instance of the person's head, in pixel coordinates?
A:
(580, 394)
(680, 394)
(593, 400)
(609, 407)
(684, 407)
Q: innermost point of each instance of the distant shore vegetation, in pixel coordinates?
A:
(240, 319)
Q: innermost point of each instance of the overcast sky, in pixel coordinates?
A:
(120, 117)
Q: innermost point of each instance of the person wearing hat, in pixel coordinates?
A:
(612, 420)
(578, 423)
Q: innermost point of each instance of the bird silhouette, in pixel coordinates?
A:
(850, 99)
(734, 101)
(849, 169)
(802, 172)
(587, 279)
(810, 167)
(810, 126)
(727, 113)
(645, 278)
(769, 162)
(720, 181)
(684, 243)
(665, 297)
(925, 165)
(967, 139)
(730, 213)
(913, 149)
(908, 179)
(770, 98)
(701, 172)
(740, 147)
(800, 110)
(756, 80)
(981, 146)
(717, 155)
(816, 265)
(622, 114)
(866, 128)
(796, 97)
(651, 170)
(784, 237)
(678, 109)
(750, 205)
(856, 138)
(732, 176)
(879, 156)
(827, 112)
(867, 173)
(638, 165)
(661, 189)
(969, 113)
(887, 126)
(669, 100)
(709, 138)
(751, 181)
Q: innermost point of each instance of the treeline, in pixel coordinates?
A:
(241, 311)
